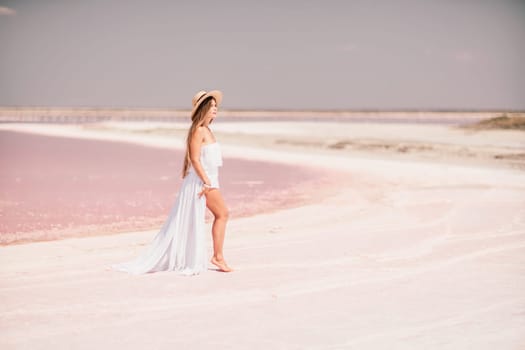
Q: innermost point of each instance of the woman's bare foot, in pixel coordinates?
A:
(221, 264)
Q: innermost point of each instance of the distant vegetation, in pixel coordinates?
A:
(515, 122)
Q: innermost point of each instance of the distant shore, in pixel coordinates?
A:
(77, 115)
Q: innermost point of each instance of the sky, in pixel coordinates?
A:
(333, 55)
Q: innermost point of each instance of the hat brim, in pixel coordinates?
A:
(216, 94)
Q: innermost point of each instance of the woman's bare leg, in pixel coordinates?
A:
(215, 203)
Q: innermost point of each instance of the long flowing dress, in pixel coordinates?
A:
(180, 245)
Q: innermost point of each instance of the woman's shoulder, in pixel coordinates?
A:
(200, 132)
(204, 132)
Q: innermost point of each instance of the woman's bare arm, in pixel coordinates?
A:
(195, 152)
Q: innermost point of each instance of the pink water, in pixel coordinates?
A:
(52, 187)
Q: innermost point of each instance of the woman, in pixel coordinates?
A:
(180, 245)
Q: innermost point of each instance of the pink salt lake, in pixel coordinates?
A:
(54, 187)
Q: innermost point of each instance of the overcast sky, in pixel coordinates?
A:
(392, 54)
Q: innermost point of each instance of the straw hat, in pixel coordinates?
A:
(202, 95)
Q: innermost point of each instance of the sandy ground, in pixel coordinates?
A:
(419, 250)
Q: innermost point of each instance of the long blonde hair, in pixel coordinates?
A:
(197, 119)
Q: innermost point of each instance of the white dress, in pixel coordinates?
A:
(180, 245)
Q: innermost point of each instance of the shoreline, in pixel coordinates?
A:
(252, 141)
(368, 140)
(269, 147)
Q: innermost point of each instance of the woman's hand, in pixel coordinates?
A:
(205, 189)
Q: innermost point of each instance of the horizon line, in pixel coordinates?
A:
(273, 110)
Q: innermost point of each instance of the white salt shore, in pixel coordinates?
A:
(410, 254)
